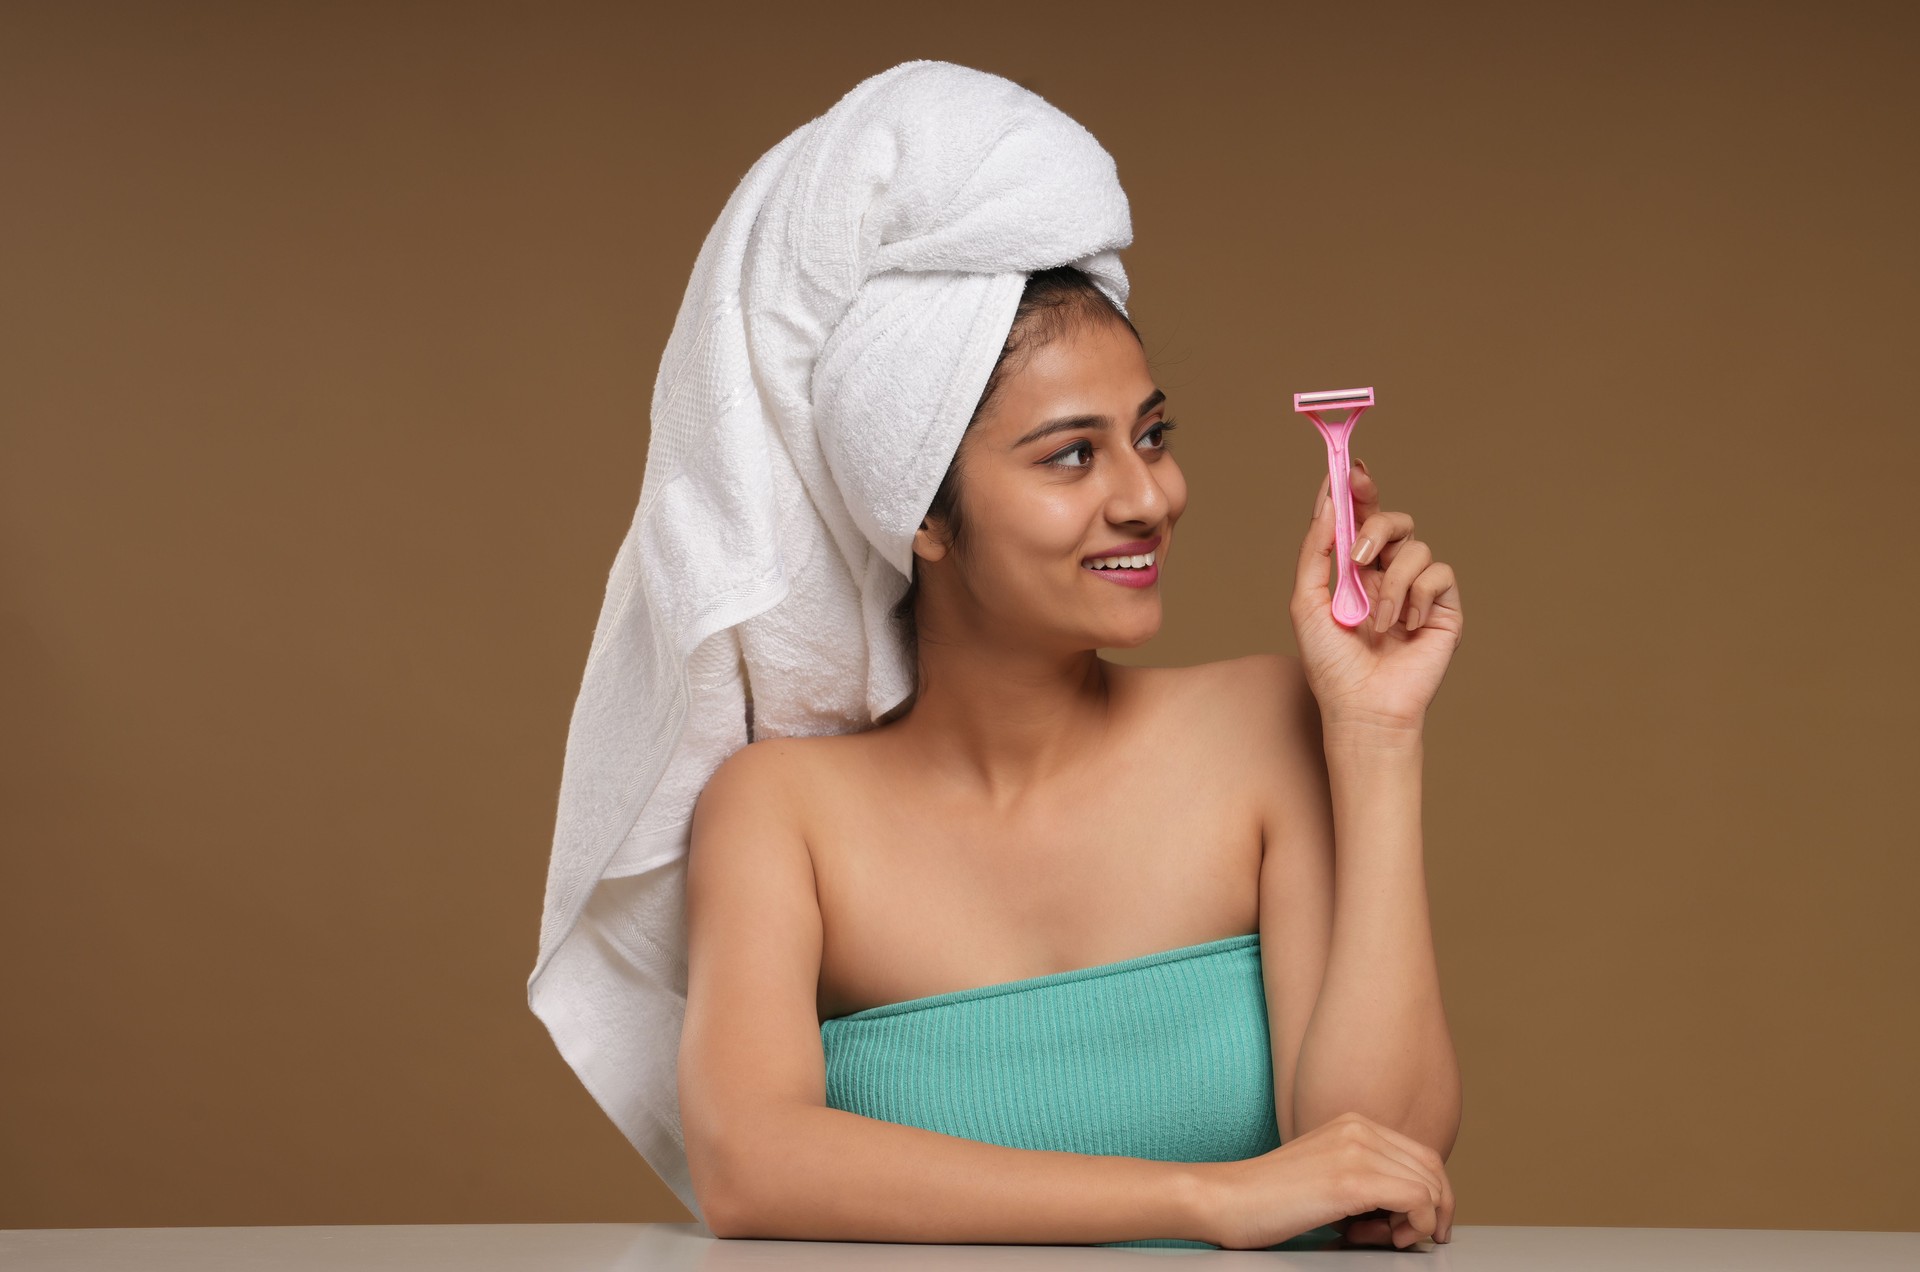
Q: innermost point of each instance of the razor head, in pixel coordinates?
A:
(1333, 399)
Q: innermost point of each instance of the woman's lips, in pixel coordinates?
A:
(1143, 577)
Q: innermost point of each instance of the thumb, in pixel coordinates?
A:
(1316, 555)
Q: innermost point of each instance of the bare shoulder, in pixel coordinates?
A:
(1266, 693)
(765, 770)
(748, 824)
(771, 788)
(747, 819)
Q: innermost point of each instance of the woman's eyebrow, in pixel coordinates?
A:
(1066, 422)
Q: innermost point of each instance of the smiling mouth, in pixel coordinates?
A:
(1139, 562)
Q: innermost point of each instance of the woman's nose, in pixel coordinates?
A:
(1137, 494)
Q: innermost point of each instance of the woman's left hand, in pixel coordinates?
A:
(1386, 671)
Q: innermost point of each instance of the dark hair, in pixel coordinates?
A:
(1053, 302)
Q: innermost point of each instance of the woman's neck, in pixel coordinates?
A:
(1002, 723)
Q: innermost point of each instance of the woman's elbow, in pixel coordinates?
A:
(714, 1169)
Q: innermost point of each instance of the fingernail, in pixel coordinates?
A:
(1320, 507)
(1362, 550)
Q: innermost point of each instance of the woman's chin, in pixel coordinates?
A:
(1131, 635)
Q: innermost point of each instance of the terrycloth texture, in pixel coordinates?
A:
(1165, 1057)
(840, 324)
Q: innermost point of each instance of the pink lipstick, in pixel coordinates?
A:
(1125, 577)
(1128, 576)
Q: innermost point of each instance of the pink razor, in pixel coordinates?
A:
(1350, 606)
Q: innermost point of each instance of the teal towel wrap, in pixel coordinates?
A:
(1164, 1057)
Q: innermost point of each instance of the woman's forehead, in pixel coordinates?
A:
(1076, 374)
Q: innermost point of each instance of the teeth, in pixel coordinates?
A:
(1139, 562)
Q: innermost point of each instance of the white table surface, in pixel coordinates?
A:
(629, 1247)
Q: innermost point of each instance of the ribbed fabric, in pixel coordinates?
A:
(1165, 1056)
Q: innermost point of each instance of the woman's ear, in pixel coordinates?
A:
(927, 545)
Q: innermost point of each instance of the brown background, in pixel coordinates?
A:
(329, 333)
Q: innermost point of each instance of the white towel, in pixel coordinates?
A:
(842, 318)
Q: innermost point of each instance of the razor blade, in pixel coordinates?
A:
(1333, 399)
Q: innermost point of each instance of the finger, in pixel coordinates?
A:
(1413, 557)
(1316, 554)
(1371, 1230)
(1364, 489)
(1412, 1200)
(1393, 547)
(1360, 487)
(1429, 583)
(1424, 1156)
(1435, 587)
(1377, 536)
(1406, 1233)
(1400, 1153)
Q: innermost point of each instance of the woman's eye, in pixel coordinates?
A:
(1074, 449)
(1157, 431)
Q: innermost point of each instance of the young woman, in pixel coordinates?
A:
(1054, 900)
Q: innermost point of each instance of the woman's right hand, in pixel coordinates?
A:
(1346, 1167)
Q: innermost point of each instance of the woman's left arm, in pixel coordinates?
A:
(1377, 1040)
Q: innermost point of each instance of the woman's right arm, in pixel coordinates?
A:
(767, 1157)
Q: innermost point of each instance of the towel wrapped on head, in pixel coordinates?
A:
(842, 319)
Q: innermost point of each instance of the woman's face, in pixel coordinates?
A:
(1070, 460)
